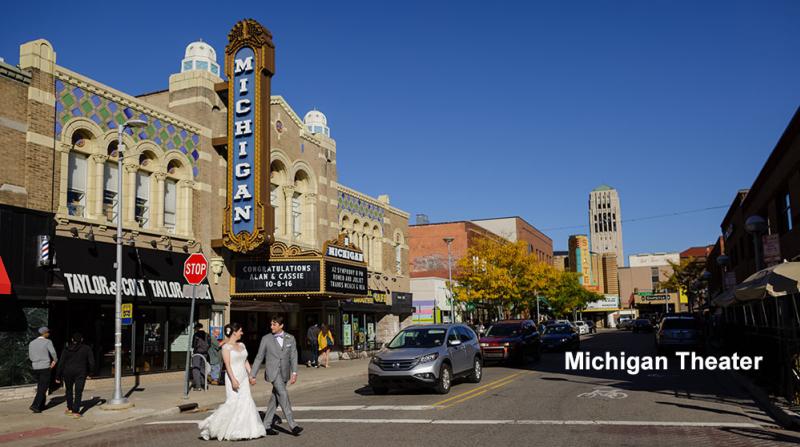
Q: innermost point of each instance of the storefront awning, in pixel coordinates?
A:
(5, 283)
(87, 268)
(724, 299)
(778, 280)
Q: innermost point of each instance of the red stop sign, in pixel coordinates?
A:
(195, 268)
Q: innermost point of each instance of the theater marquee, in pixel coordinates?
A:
(291, 271)
(249, 65)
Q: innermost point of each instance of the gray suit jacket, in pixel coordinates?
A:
(279, 360)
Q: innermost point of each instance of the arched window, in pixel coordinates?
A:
(171, 195)
(277, 199)
(111, 184)
(147, 160)
(77, 175)
(398, 253)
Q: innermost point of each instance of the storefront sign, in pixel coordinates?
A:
(126, 313)
(772, 249)
(344, 253)
(609, 302)
(345, 278)
(277, 276)
(249, 64)
(88, 271)
(402, 303)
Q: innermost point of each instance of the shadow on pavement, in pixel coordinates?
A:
(762, 434)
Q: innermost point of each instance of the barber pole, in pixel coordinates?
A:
(44, 249)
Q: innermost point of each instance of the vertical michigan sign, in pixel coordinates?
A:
(249, 65)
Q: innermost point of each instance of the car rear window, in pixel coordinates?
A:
(680, 323)
(504, 330)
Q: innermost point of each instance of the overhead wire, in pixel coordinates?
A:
(639, 219)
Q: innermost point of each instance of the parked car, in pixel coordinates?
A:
(592, 327)
(427, 356)
(567, 322)
(679, 332)
(642, 325)
(511, 340)
(582, 327)
(558, 337)
(624, 322)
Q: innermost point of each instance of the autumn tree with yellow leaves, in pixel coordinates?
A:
(506, 274)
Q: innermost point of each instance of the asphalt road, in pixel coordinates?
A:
(539, 404)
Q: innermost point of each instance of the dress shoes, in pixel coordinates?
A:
(272, 432)
(296, 430)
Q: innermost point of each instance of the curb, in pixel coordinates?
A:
(782, 416)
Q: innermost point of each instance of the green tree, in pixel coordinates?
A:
(502, 273)
(685, 278)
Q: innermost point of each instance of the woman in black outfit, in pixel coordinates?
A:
(76, 362)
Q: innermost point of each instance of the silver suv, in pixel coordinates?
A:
(427, 356)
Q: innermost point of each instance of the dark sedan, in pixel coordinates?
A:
(642, 325)
(558, 337)
(511, 340)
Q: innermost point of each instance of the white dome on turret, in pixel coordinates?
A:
(316, 122)
(200, 56)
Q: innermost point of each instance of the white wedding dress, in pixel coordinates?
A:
(238, 417)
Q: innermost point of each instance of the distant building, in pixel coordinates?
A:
(610, 274)
(561, 261)
(653, 259)
(518, 229)
(605, 221)
(699, 254)
(579, 258)
(597, 272)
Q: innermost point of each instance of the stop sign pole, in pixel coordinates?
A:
(195, 269)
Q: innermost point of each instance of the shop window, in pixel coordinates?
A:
(110, 192)
(170, 204)
(785, 207)
(143, 199)
(76, 184)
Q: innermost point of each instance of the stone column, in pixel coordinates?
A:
(157, 201)
(96, 193)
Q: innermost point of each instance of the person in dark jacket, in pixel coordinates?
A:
(77, 362)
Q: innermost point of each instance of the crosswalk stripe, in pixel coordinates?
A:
(508, 422)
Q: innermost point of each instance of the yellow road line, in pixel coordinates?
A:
(476, 389)
(495, 386)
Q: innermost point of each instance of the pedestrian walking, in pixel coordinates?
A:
(43, 358)
(325, 341)
(279, 350)
(200, 345)
(313, 344)
(76, 365)
(215, 359)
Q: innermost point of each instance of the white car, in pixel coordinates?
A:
(583, 328)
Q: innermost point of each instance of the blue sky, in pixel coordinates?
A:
(465, 109)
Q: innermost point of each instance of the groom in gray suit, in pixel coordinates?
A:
(280, 352)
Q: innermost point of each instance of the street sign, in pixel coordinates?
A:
(126, 313)
(195, 268)
(200, 291)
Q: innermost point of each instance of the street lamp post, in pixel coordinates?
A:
(119, 399)
(448, 241)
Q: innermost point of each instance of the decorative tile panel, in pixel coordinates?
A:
(355, 205)
(73, 102)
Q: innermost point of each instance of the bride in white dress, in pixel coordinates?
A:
(238, 417)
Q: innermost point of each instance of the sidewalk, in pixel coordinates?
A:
(159, 394)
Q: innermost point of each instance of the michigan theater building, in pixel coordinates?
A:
(221, 167)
